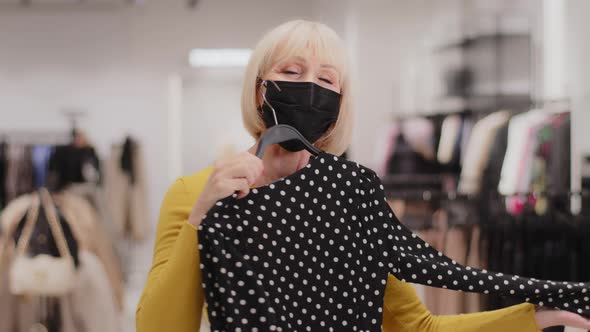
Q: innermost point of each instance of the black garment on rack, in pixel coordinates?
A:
(559, 163)
(66, 165)
(405, 160)
(493, 170)
(126, 161)
(312, 251)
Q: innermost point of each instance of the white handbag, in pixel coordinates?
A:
(42, 274)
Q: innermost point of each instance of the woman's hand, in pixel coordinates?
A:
(550, 317)
(235, 173)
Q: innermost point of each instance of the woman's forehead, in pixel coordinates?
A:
(305, 58)
(322, 55)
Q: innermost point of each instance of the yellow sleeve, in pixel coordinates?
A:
(172, 299)
(403, 311)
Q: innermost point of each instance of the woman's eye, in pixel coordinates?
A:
(326, 80)
(290, 72)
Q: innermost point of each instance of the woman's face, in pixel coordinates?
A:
(306, 69)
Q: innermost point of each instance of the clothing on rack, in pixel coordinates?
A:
(72, 164)
(431, 144)
(520, 134)
(406, 159)
(532, 168)
(19, 172)
(466, 130)
(478, 151)
(7, 300)
(448, 149)
(88, 307)
(96, 315)
(74, 173)
(450, 232)
(452, 243)
(546, 146)
(419, 133)
(25, 167)
(549, 246)
(40, 155)
(410, 145)
(367, 242)
(86, 228)
(492, 204)
(126, 190)
(94, 238)
(551, 163)
(385, 146)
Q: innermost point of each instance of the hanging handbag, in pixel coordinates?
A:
(42, 274)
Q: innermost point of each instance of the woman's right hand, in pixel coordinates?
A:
(236, 173)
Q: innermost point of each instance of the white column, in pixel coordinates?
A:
(576, 54)
(174, 129)
(553, 65)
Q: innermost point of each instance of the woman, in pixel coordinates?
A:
(312, 54)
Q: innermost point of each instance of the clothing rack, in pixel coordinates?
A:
(35, 137)
(561, 103)
(73, 115)
(45, 137)
(400, 116)
(433, 194)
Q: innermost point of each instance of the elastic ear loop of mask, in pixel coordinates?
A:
(274, 113)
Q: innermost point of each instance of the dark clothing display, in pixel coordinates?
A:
(559, 161)
(19, 172)
(70, 164)
(312, 252)
(127, 159)
(406, 160)
(25, 167)
(491, 203)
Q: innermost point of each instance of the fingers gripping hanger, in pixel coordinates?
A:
(281, 133)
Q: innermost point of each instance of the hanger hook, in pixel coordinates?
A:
(274, 113)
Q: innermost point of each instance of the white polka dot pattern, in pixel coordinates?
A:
(312, 251)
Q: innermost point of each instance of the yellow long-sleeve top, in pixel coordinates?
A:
(173, 297)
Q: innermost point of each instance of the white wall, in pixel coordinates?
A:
(115, 65)
(382, 37)
(576, 56)
(578, 68)
(211, 109)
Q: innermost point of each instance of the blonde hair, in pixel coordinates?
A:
(299, 38)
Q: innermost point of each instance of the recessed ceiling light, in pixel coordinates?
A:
(219, 57)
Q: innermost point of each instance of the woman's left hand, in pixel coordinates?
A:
(550, 317)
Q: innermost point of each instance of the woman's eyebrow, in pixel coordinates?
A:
(299, 58)
(327, 65)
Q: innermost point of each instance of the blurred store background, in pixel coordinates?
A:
(106, 102)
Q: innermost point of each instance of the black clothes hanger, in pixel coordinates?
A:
(281, 133)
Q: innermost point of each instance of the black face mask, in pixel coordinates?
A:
(306, 106)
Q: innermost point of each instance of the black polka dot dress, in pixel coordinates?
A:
(312, 252)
